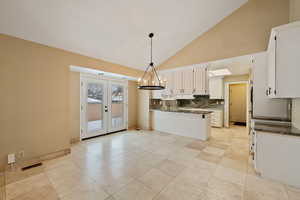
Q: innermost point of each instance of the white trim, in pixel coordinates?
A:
(85, 70)
(185, 67)
(102, 77)
(226, 102)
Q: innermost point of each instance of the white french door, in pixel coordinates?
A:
(103, 106)
(117, 104)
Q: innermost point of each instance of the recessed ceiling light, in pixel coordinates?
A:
(220, 72)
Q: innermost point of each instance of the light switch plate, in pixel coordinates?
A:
(11, 158)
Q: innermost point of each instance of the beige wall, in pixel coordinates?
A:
(132, 104)
(295, 16)
(34, 102)
(2, 186)
(294, 10)
(236, 78)
(245, 31)
(74, 103)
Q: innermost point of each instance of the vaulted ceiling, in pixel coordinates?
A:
(114, 30)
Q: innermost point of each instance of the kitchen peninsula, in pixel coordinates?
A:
(183, 122)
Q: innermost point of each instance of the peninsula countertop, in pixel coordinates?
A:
(181, 110)
(277, 129)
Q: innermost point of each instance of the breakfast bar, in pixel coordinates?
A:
(194, 124)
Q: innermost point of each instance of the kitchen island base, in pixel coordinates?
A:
(184, 124)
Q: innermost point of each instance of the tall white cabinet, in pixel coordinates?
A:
(284, 62)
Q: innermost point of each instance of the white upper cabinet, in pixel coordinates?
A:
(201, 86)
(216, 88)
(270, 90)
(262, 105)
(183, 83)
(188, 81)
(177, 84)
(284, 62)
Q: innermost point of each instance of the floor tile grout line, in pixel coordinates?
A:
(167, 185)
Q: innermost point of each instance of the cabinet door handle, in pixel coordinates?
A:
(267, 92)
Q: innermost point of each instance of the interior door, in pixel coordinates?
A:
(93, 107)
(237, 103)
(117, 104)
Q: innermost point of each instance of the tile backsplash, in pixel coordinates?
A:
(198, 102)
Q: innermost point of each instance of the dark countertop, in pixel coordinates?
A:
(280, 119)
(277, 129)
(200, 112)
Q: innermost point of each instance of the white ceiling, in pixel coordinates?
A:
(237, 65)
(114, 30)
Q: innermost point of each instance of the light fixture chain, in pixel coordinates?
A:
(156, 75)
(145, 72)
(151, 51)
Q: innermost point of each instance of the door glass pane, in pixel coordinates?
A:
(117, 106)
(94, 107)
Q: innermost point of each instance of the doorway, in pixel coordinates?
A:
(236, 108)
(237, 104)
(103, 105)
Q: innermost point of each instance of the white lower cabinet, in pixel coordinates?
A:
(217, 118)
(276, 157)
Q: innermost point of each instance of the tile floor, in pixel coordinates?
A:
(144, 165)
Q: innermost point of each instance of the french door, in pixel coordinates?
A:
(103, 106)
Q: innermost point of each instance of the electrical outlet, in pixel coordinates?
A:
(21, 154)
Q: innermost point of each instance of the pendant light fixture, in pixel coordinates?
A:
(150, 80)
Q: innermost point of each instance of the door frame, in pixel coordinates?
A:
(226, 102)
(100, 77)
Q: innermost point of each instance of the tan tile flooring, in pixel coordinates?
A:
(144, 165)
